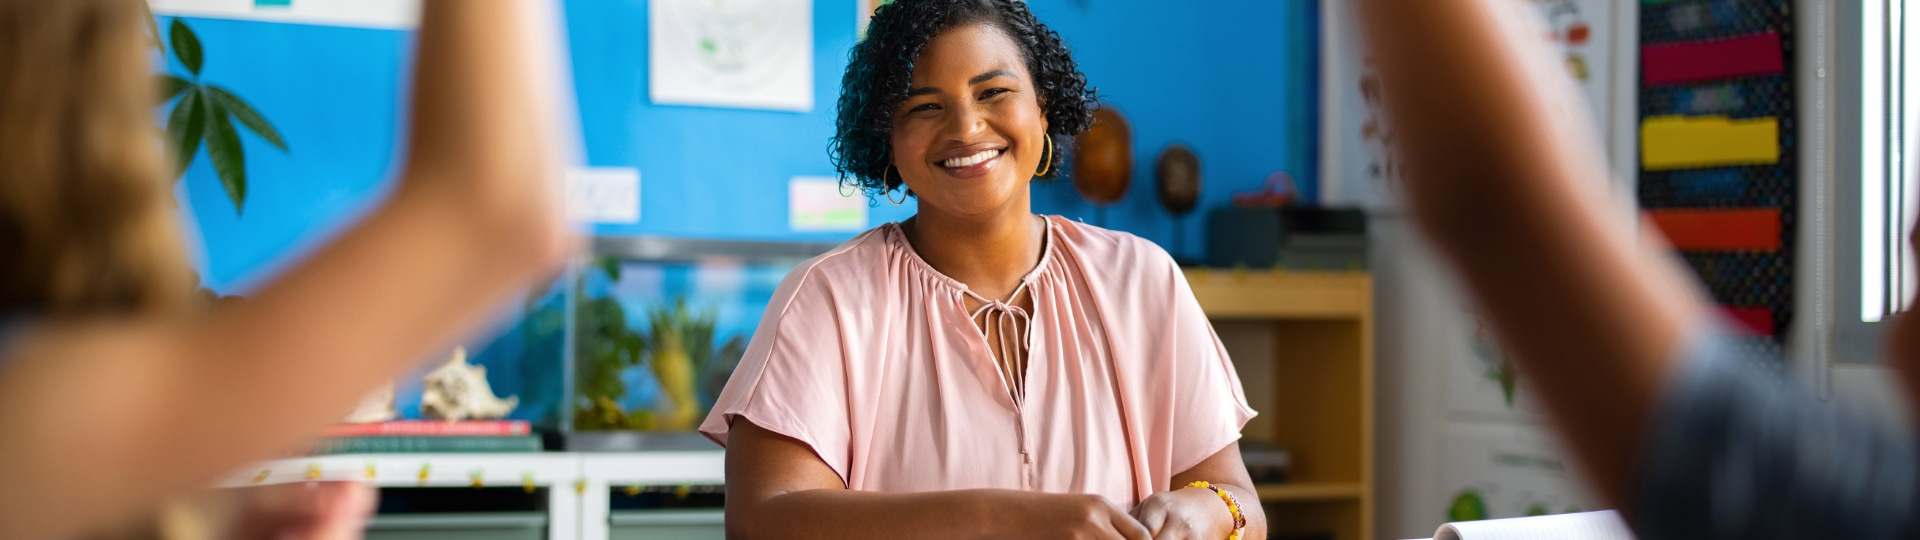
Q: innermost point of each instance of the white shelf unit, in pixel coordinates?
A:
(578, 483)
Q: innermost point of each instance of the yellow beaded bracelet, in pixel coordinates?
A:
(1233, 506)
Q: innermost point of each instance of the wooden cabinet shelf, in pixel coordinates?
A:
(1329, 491)
(1274, 294)
(1303, 344)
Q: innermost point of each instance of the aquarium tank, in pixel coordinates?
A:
(523, 349)
(658, 326)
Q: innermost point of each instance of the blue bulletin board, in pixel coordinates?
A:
(1237, 82)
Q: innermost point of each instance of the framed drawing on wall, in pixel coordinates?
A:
(750, 54)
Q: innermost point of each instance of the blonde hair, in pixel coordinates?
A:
(86, 216)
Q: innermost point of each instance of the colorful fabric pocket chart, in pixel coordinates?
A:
(1718, 172)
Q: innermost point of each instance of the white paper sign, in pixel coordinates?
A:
(603, 195)
(1358, 166)
(1503, 471)
(391, 14)
(817, 203)
(754, 54)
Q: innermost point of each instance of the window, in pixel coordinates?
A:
(1874, 121)
(1889, 100)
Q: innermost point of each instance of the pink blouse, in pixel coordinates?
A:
(870, 356)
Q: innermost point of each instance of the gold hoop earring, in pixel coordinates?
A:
(884, 177)
(1047, 165)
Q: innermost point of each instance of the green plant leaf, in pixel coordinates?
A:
(246, 115)
(223, 148)
(171, 87)
(609, 265)
(185, 127)
(186, 46)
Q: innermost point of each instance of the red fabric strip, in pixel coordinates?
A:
(1672, 63)
(1753, 320)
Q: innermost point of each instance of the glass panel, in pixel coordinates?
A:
(657, 340)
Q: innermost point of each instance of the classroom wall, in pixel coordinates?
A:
(1235, 81)
(1238, 82)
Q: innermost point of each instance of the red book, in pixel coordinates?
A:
(432, 428)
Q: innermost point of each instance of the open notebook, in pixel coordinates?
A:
(1602, 525)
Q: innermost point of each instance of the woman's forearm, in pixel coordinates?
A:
(837, 513)
(777, 487)
(977, 513)
(1505, 177)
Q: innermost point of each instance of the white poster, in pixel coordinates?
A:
(1357, 166)
(1482, 380)
(391, 14)
(603, 194)
(751, 54)
(1506, 470)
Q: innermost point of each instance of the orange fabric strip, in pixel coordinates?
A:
(1744, 229)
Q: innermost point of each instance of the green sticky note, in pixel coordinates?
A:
(816, 204)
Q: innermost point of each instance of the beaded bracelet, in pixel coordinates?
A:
(1233, 506)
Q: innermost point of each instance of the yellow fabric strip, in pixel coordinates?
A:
(1688, 142)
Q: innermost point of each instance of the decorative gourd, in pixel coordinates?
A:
(1103, 158)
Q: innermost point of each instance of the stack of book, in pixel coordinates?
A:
(429, 436)
(1323, 239)
(1292, 238)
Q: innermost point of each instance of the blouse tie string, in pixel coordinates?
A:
(1007, 320)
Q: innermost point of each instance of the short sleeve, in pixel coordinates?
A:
(792, 379)
(1210, 404)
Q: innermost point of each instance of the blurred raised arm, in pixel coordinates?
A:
(99, 419)
(1511, 189)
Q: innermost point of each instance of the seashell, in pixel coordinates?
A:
(459, 391)
(376, 407)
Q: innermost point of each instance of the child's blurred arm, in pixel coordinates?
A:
(100, 419)
(1512, 190)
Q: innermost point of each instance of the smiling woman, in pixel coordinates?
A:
(978, 370)
(879, 80)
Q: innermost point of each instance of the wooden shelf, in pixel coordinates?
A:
(1302, 343)
(1321, 491)
(1281, 294)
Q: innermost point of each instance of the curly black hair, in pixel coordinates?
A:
(880, 70)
